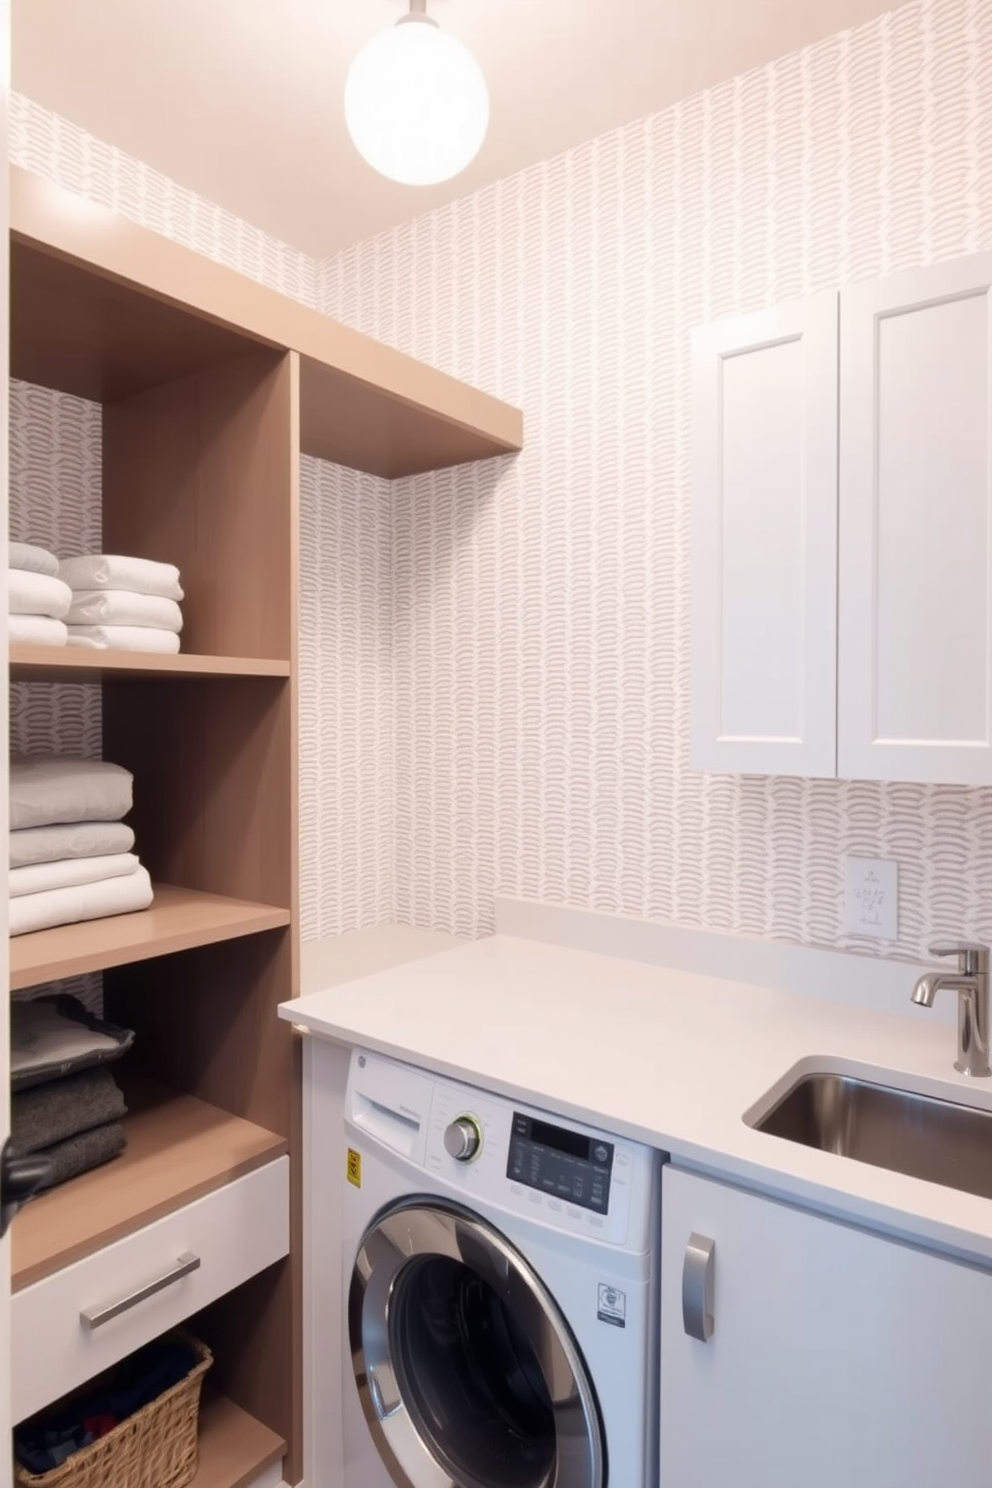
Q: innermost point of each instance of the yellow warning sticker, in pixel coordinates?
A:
(354, 1167)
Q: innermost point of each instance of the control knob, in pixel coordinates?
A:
(463, 1138)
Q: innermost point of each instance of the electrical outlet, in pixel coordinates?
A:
(871, 901)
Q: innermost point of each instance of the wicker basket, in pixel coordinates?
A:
(154, 1448)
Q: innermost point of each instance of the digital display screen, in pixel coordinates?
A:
(559, 1139)
(570, 1168)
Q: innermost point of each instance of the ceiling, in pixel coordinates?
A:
(241, 100)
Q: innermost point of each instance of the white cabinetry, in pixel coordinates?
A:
(836, 1357)
(863, 650)
(915, 694)
(765, 541)
(229, 1235)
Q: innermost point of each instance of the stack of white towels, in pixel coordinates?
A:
(130, 604)
(102, 601)
(70, 850)
(38, 600)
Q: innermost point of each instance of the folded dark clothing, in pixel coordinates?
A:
(57, 1035)
(80, 1153)
(63, 1108)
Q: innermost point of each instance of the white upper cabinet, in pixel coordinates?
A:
(860, 648)
(764, 541)
(915, 670)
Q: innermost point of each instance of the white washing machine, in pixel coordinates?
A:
(500, 1291)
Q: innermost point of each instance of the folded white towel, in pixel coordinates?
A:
(123, 607)
(45, 788)
(92, 839)
(36, 630)
(32, 559)
(36, 594)
(114, 571)
(94, 901)
(37, 878)
(124, 638)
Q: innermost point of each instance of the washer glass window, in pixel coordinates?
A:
(468, 1373)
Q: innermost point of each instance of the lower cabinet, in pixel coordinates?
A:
(835, 1358)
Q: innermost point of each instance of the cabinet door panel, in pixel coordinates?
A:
(764, 541)
(916, 526)
(837, 1356)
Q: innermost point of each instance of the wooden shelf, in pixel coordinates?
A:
(66, 664)
(234, 1447)
(179, 1148)
(105, 309)
(178, 920)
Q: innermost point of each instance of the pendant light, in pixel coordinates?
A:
(415, 102)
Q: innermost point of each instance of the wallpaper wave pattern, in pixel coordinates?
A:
(541, 624)
(346, 701)
(55, 472)
(51, 146)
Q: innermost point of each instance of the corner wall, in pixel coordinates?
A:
(542, 618)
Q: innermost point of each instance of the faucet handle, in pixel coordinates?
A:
(973, 957)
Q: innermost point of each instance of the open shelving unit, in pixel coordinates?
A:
(211, 387)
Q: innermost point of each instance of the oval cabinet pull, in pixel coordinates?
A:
(697, 1287)
(95, 1317)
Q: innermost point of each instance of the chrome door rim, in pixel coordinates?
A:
(425, 1227)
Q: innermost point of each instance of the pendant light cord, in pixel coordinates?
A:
(417, 12)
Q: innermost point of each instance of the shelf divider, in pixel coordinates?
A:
(67, 664)
(179, 920)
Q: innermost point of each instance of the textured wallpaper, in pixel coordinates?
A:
(346, 701)
(55, 472)
(494, 660)
(51, 146)
(541, 625)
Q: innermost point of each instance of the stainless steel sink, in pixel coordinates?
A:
(938, 1140)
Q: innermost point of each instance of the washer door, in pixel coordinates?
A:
(468, 1374)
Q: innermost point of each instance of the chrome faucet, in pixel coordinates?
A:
(971, 982)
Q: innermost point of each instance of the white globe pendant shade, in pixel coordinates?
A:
(416, 104)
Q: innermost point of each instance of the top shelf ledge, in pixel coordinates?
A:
(102, 308)
(67, 664)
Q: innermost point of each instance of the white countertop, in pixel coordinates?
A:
(666, 1057)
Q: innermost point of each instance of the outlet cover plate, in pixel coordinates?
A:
(871, 899)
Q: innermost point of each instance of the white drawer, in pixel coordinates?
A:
(234, 1232)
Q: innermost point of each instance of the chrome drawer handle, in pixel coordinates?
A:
(697, 1287)
(95, 1317)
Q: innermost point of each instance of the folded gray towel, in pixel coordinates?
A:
(63, 1108)
(80, 1153)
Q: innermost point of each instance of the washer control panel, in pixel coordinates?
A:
(489, 1150)
(561, 1161)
